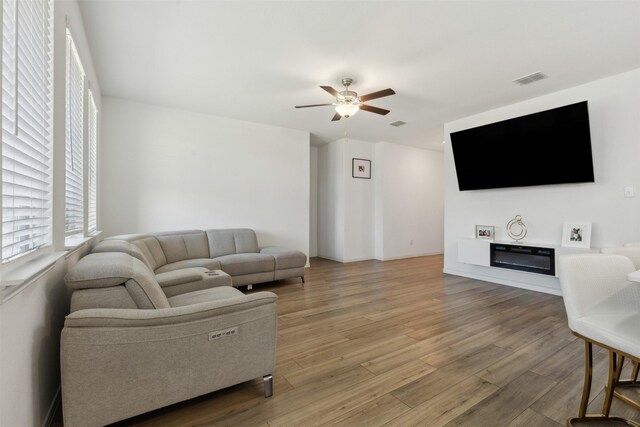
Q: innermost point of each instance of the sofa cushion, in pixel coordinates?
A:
(101, 270)
(232, 241)
(152, 251)
(181, 245)
(239, 264)
(205, 295)
(207, 263)
(285, 258)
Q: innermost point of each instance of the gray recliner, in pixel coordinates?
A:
(127, 348)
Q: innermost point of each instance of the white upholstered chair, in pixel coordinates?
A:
(631, 252)
(603, 308)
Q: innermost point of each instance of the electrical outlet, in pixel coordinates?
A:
(410, 242)
(628, 191)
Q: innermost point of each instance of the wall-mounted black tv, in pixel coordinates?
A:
(549, 147)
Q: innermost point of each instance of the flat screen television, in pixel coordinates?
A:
(549, 147)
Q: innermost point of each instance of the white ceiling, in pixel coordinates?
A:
(446, 60)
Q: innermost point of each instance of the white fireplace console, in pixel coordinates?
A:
(526, 257)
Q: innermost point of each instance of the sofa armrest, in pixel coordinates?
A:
(112, 317)
(185, 280)
(180, 277)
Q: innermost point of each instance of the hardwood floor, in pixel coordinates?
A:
(399, 343)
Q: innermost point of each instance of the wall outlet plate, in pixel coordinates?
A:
(628, 191)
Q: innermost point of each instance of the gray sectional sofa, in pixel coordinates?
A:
(151, 324)
(234, 251)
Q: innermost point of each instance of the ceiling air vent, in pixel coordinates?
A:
(398, 123)
(530, 78)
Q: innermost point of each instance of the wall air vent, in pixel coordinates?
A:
(530, 78)
(398, 123)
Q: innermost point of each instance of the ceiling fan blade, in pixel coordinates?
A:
(376, 110)
(336, 117)
(314, 105)
(378, 94)
(331, 90)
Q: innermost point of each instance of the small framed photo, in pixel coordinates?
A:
(485, 232)
(361, 168)
(576, 235)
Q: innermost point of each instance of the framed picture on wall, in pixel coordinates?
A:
(576, 235)
(485, 232)
(361, 168)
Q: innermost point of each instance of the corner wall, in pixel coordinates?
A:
(614, 111)
(331, 201)
(167, 169)
(412, 194)
(313, 202)
(398, 213)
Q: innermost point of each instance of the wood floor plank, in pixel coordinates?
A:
(448, 376)
(531, 418)
(330, 408)
(373, 414)
(347, 361)
(447, 404)
(505, 370)
(563, 400)
(291, 400)
(506, 404)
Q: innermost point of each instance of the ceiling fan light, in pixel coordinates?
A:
(347, 110)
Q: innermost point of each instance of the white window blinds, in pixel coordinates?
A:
(74, 209)
(27, 111)
(92, 123)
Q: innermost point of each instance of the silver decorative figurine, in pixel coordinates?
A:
(516, 229)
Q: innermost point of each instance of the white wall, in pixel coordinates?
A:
(614, 113)
(378, 218)
(412, 201)
(313, 202)
(168, 169)
(359, 201)
(31, 321)
(331, 201)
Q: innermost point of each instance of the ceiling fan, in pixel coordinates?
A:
(348, 102)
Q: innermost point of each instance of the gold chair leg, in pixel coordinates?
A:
(632, 382)
(614, 374)
(611, 383)
(588, 375)
(620, 366)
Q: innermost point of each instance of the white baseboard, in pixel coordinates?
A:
(410, 256)
(506, 282)
(346, 261)
(53, 409)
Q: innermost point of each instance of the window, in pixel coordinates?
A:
(27, 111)
(92, 124)
(74, 138)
